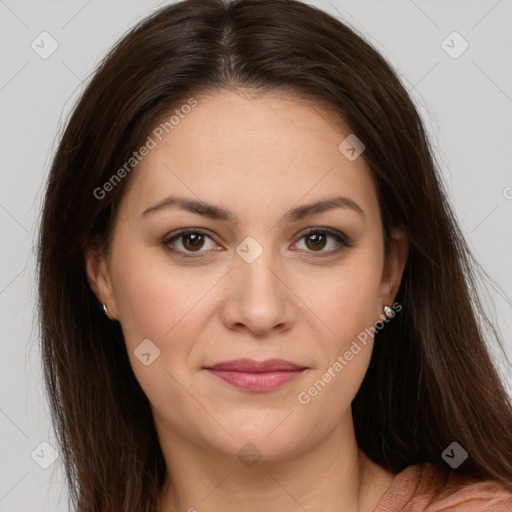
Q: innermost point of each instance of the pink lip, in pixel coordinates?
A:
(256, 375)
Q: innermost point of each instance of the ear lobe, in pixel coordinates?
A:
(394, 266)
(98, 276)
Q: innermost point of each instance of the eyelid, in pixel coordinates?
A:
(342, 239)
(339, 235)
(181, 232)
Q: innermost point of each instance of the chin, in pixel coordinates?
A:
(257, 440)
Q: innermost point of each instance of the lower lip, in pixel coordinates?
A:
(265, 381)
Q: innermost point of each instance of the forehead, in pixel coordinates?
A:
(251, 152)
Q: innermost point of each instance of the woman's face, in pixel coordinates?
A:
(249, 282)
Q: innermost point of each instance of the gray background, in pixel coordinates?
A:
(466, 103)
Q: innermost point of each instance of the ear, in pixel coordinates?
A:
(394, 267)
(98, 275)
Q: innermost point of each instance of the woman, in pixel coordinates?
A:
(253, 292)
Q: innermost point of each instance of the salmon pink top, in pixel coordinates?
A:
(422, 488)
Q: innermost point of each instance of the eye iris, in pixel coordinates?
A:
(317, 243)
(197, 241)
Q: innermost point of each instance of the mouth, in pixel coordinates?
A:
(251, 375)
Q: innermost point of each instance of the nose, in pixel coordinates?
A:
(258, 299)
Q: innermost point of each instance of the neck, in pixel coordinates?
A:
(330, 475)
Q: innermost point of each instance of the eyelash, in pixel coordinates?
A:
(342, 239)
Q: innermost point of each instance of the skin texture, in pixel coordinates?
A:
(258, 157)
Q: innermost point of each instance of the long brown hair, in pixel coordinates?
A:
(431, 380)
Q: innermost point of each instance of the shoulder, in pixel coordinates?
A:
(425, 488)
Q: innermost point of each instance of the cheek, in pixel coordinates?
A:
(348, 306)
(150, 299)
(142, 299)
(347, 300)
(163, 305)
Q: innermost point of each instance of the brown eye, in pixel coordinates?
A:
(316, 241)
(189, 241)
(193, 241)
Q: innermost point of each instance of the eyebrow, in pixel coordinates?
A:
(217, 213)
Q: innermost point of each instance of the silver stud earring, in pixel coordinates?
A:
(105, 310)
(388, 312)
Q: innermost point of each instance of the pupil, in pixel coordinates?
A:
(318, 243)
(195, 239)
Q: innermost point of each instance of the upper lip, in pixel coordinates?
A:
(252, 366)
